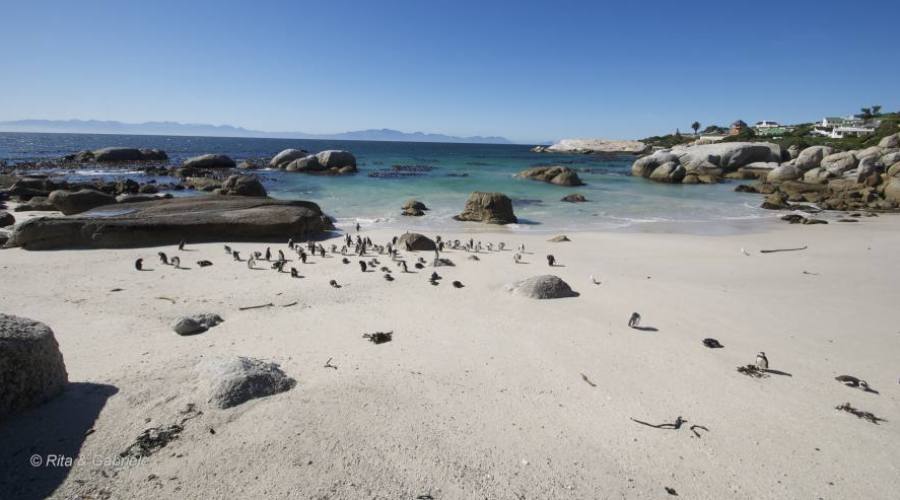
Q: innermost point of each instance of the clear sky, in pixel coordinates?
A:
(525, 70)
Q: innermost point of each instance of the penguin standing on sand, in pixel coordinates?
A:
(176, 262)
(551, 260)
(181, 244)
(228, 249)
(163, 259)
(139, 264)
(294, 273)
(634, 320)
(762, 362)
(362, 266)
(269, 253)
(236, 255)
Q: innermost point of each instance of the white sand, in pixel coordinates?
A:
(480, 394)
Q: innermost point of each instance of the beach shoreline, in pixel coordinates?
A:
(482, 393)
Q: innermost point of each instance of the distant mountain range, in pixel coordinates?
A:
(204, 130)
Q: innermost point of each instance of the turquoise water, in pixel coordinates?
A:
(446, 174)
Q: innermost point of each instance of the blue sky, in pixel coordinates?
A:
(525, 70)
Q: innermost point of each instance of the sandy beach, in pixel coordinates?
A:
(481, 393)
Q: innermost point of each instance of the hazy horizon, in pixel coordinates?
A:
(539, 72)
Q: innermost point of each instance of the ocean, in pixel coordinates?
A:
(441, 175)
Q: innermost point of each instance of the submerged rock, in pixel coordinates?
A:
(491, 208)
(209, 161)
(233, 381)
(559, 175)
(574, 198)
(546, 286)
(32, 370)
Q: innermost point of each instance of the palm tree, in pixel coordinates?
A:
(866, 113)
(876, 110)
(696, 127)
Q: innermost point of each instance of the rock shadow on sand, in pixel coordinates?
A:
(56, 429)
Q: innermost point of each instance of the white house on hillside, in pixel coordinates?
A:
(838, 128)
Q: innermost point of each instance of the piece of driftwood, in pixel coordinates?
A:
(329, 365)
(784, 249)
(167, 298)
(586, 379)
(247, 308)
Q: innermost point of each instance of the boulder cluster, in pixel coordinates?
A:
(330, 162)
(117, 155)
(834, 180)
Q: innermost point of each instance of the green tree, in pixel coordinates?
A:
(876, 110)
(696, 127)
(866, 113)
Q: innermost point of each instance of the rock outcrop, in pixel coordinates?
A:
(6, 219)
(812, 157)
(32, 370)
(234, 381)
(588, 146)
(117, 155)
(574, 198)
(414, 208)
(209, 161)
(546, 286)
(491, 208)
(168, 221)
(75, 202)
(553, 174)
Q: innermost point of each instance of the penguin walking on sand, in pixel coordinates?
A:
(291, 243)
(517, 258)
(294, 273)
(176, 262)
(362, 266)
(181, 244)
(228, 249)
(236, 255)
(269, 253)
(139, 264)
(634, 321)
(251, 262)
(762, 362)
(551, 260)
(163, 259)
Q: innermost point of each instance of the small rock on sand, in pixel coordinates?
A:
(199, 323)
(559, 239)
(236, 380)
(546, 286)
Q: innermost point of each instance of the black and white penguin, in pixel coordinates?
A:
(181, 244)
(175, 262)
(269, 253)
(139, 264)
(762, 362)
(294, 273)
(551, 260)
(162, 258)
(236, 255)
(362, 266)
(634, 320)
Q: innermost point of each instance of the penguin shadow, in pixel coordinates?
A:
(557, 265)
(776, 372)
(144, 270)
(645, 328)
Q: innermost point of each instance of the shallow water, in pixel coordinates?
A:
(443, 176)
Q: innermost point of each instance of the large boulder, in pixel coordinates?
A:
(838, 163)
(812, 156)
(338, 161)
(492, 208)
(892, 190)
(288, 155)
(31, 367)
(668, 172)
(561, 176)
(6, 219)
(413, 203)
(209, 161)
(169, 221)
(784, 173)
(243, 185)
(416, 242)
(233, 381)
(306, 164)
(727, 155)
(29, 187)
(875, 151)
(817, 175)
(113, 155)
(75, 202)
(546, 286)
(644, 166)
(891, 141)
(36, 204)
(890, 158)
